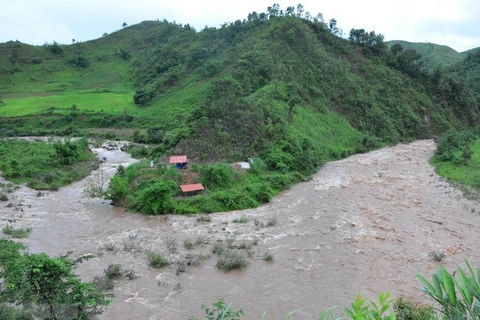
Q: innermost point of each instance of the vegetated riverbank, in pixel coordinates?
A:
(458, 158)
(45, 165)
(365, 224)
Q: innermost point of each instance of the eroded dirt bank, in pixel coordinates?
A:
(362, 225)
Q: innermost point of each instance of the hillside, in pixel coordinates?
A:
(281, 87)
(432, 54)
(468, 69)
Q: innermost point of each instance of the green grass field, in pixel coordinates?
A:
(26, 104)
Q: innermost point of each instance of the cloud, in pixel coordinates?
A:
(28, 25)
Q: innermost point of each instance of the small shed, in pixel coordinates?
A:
(243, 165)
(191, 189)
(180, 162)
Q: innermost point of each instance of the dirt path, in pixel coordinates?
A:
(365, 224)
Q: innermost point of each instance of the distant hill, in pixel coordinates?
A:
(432, 54)
(279, 86)
(468, 69)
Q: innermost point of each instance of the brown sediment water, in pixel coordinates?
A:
(365, 224)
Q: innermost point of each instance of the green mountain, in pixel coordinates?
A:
(468, 69)
(432, 54)
(279, 86)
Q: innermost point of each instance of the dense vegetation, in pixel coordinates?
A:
(45, 165)
(156, 190)
(469, 70)
(36, 285)
(276, 88)
(458, 157)
(282, 86)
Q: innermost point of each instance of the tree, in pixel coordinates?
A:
(300, 10)
(69, 152)
(49, 282)
(55, 48)
(274, 10)
(124, 24)
(371, 40)
(118, 188)
(290, 11)
(125, 54)
(80, 62)
(332, 24)
(14, 57)
(318, 18)
(252, 16)
(156, 198)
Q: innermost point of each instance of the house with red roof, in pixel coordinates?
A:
(180, 162)
(191, 189)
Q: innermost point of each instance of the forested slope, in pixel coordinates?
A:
(282, 86)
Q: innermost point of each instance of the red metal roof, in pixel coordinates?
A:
(178, 159)
(192, 187)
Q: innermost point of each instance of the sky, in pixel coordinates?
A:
(454, 23)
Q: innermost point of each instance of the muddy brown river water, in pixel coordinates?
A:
(365, 224)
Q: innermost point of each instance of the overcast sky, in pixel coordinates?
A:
(455, 23)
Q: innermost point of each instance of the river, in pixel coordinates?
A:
(365, 224)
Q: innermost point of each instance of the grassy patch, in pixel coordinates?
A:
(17, 232)
(63, 103)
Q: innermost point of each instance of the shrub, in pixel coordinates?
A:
(458, 298)
(113, 271)
(17, 232)
(3, 196)
(233, 200)
(194, 259)
(125, 55)
(268, 256)
(171, 244)
(242, 219)
(156, 198)
(272, 222)
(188, 244)
(437, 255)
(219, 248)
(157, 260)
(278, 181)
(217, 176)
(80, 62)
(55, 47)
(117, 190)
(138, 152)
(182, 207)
(230, 260)
(407, 310)
(262, 192)
(204, 218)
(221, 311)
(103, 283)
